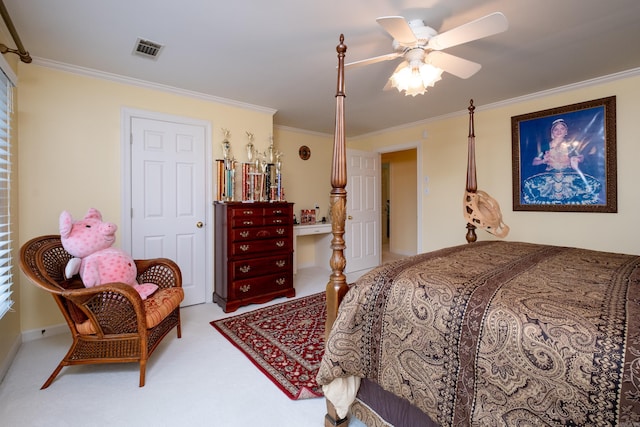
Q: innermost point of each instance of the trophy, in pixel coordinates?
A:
(250, 148)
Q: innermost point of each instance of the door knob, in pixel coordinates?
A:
(199, 224)
(349, 217)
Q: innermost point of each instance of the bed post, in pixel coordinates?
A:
(337, 286)
(472, 185)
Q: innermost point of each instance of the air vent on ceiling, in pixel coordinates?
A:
(147, 48)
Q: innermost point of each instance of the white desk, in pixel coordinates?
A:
(306, 230)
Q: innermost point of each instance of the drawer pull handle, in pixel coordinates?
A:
(280, 231)
(277, 212)
(280, 243)
(244, 234)
(245, 268)
(247, 212)
(277, 221)
(281, 281)
(245, 288)
(247, 222)
(281, 263)
(244, 248)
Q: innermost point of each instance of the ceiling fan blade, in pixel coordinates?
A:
(455, 65)
(482, 27)
(398, 68)
(399, 29)
(373, 60)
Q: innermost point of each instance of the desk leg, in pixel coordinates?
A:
(295, 258)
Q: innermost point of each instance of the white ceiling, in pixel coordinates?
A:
(281, 54)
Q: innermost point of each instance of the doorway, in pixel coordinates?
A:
(400, 203)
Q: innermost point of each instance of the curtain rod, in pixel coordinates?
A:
(20, 51)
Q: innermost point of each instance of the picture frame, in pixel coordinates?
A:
(564, 158)
(307, 216)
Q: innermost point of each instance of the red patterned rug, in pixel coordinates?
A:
(285, 341)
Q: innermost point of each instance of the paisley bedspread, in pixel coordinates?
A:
(498, 333)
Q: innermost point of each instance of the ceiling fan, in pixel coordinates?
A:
(421, 47)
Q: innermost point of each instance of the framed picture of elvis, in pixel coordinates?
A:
(564, 158)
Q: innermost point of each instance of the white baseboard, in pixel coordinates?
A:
(26, 336)
(406, 253)
(36, 334)
(6, 363)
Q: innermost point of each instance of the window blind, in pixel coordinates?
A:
(6, 270)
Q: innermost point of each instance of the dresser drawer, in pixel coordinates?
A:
(277, 220)
(285, 211)
(245, 211)
(256, 286)
(239, 235)
(252, 247)
(247, 221)
(244, 269)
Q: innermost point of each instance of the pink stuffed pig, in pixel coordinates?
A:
(89, 240)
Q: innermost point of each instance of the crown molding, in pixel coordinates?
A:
(532, 96)
(89, 72)
(303, 131)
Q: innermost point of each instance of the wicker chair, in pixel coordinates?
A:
(109, 323)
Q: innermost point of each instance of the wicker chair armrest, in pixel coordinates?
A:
(115, 308)
(160, 271)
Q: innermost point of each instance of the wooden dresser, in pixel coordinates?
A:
(253, 253)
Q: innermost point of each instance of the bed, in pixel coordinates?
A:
(488, 333)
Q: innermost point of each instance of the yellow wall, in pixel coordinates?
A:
(70, 152)
(444, 163)
(306, 182)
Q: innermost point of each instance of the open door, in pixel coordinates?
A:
(362, 227)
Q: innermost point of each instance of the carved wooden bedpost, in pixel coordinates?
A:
(472, 184)
(337, 286)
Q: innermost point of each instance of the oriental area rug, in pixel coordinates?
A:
(285, 341)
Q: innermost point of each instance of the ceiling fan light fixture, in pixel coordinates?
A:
(421, 48)
(414, 80)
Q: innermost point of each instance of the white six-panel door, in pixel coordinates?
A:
(362, 227)
(168, 198)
